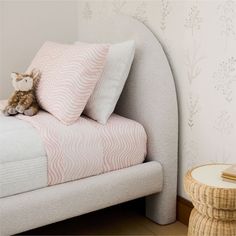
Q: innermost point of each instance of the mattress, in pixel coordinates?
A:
(23, 161)
(25, 149)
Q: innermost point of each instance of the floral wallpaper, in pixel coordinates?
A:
(199, 38)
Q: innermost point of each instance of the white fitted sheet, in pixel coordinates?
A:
(23, 162)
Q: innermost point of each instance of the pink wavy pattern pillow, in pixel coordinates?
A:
(69, 74)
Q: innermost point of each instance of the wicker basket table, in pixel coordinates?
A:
(214, 201)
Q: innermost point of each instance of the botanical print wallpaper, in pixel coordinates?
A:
(199, 38)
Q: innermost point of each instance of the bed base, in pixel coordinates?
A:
(56, 203)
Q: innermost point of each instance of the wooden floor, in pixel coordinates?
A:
(119, 220)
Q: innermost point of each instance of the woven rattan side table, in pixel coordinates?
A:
(214, 201)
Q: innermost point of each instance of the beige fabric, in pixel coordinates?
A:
(149, 97)
(44, 206)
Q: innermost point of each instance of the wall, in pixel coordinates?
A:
(199, 38)
(26, 26)
(1, 47)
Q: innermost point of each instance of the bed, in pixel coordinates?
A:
(149, 98)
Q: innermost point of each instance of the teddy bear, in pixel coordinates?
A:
(23, 100)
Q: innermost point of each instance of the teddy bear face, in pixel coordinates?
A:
(22, 82)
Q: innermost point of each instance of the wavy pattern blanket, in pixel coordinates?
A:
(88, 148)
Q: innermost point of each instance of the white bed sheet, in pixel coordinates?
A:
(23, 162)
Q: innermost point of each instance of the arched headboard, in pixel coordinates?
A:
(149, 97)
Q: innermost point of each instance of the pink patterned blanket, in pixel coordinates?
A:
(88, 148)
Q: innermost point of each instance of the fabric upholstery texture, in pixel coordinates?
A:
(104, 98)
(149, 97)
(55, 203)
(69, 74)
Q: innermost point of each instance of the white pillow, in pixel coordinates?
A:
(102, 102)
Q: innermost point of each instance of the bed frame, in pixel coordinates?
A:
(149, 97)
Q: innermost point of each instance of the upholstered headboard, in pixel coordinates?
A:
(149, 97)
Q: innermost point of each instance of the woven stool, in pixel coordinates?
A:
(214, 201)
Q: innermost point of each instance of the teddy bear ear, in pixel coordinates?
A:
(13, 75)
(35, 73)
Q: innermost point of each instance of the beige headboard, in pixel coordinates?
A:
(149, 97)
